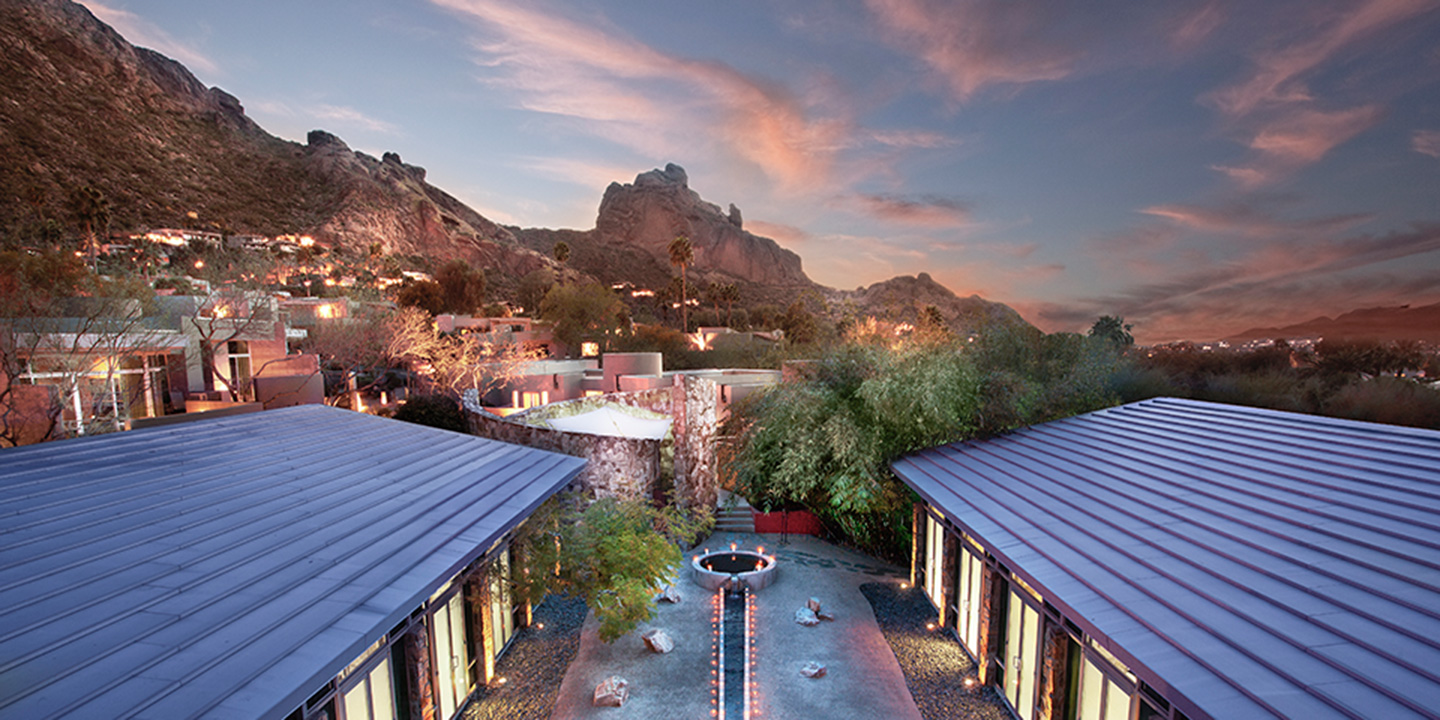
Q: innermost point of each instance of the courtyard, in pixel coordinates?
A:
(882, 654)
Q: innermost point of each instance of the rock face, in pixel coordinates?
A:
(81, 106)
(658, 641)
(612, 692)
(660, 205)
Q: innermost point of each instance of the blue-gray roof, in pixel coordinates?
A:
(1259, 563)
(230, 567)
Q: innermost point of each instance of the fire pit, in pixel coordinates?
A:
(715, 570)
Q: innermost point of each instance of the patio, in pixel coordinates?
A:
(864, 679)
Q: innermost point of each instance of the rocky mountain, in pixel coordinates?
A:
(637, 221)
(901, 298)
(1384, 324)
(80, 107)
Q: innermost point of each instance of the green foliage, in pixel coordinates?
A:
(436, 411)
(462, 288)
(799, 324)
(561, 252)
(532, 289)
(581, 311)
(616, 554)
(826, 442)
(1113, 330)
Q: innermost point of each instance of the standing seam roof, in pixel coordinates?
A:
(1256, 563)
(228, 568)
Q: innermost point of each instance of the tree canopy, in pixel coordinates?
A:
(581, 311)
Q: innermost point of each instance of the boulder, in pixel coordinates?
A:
(658, 641)
(612, 692)
(670, 595)
(805, 616)
(814, 605)
(813, 669)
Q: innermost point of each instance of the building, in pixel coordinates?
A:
(298, 563)
(1180, 559)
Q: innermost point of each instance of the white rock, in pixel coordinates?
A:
(670, 595)
(658, 641)
(813, 669)
(806, 616)
(612, 692)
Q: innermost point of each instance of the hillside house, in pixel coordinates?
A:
(1187, 560)
(293, 564)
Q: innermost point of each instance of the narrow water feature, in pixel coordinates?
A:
(735, 655)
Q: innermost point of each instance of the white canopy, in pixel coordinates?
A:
(612, 422)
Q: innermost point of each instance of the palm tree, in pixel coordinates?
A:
(681, 256)
(729, 293)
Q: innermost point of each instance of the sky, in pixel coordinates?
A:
(1198, 168)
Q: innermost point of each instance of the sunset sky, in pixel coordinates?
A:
(1197, 167)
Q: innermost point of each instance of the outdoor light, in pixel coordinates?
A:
(929, 626)
(904, 586)
(540, 626)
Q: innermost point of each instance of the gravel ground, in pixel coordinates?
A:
(534, 665)
(934, 663)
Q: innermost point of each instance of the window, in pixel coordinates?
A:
(372, 698)
(1022, 654)
(239, 352)
(452, 655)
(1101, 697)
(502, 620)
(935, 562)
(972, 570)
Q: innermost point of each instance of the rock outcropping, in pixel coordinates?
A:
(659, 206)
(901, 299)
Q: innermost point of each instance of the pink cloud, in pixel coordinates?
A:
(787, 235)
(1277, 73)
(1194, 28)
(928, 211)
(1246, 220)
(979, 44)
(663, 105)
(1298, 137)
(1426, 142)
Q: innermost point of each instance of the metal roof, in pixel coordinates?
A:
(1258, 563)
(229, 568)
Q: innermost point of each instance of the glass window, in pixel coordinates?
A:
(1101, 698)
(371, 698)
(452, 656)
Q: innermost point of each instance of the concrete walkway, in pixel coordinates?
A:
(863, 679)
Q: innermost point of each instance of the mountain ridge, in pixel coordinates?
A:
(1383, 324)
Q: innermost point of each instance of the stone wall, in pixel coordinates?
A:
(627, 467)
(615, 467)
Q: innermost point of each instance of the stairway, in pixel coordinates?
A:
(733, 514)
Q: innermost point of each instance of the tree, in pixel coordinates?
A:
(456, 362)
(682, 255)
(581, 311)
(1114, 331)
(67, 340)
(532, 288)
(729, 294)
(462, 288)
(561, 252)
(617, 554)
(92, 211)
(436, 411)
(825, 441)
(799, 324)
(426, 295)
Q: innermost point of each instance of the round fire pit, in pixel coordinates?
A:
(714, 570)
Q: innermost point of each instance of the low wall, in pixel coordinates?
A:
(791, 522)
(615, 467)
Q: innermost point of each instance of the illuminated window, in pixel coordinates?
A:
(325, 311)
(529, 399)
(371, 698)
(589, 349)
(1101, 698)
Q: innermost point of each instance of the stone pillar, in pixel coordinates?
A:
(418, 675)
(991, 595)
(484, 631)
(1054, 672)
(693, 423)
(917, 541)
(950, 571)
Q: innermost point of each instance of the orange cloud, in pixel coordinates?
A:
(1246, 220)
(654, 102)
(1298, 138)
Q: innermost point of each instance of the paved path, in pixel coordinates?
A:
(863, 678)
